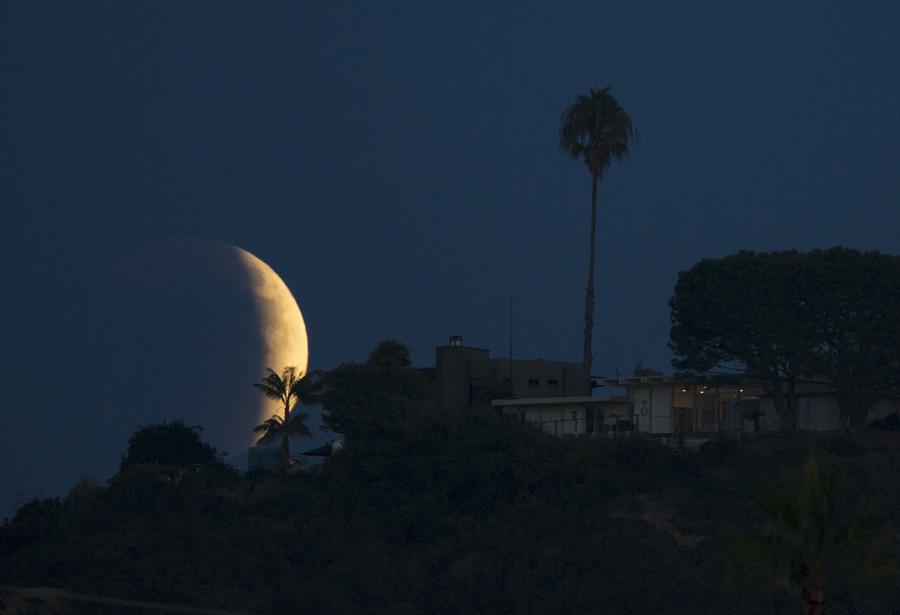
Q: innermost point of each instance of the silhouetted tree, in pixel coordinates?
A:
(807, 535)
(596, 129)
(287, 389)
(750, 311)
(391, 354)
(855, 296)
(364, 400)
(170, 443)
(783, 316)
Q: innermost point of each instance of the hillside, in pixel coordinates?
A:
(452, 514)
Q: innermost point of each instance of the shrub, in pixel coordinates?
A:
(889, 423)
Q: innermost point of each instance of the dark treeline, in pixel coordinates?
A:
(445, 512)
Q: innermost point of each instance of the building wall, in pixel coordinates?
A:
(652, 407)
(454, 366)
(662, 419)
(559, 420)
(823, 413)
(814, 413)
(769, 420)
(465, 376)
(641, 403)
(537, 378)
(572, 419)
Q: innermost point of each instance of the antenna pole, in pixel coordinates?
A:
(509, 333)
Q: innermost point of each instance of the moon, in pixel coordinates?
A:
(185, 327)
(280, 320)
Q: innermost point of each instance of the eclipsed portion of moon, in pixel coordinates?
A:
(185, 328)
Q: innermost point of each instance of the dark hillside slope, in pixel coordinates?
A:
(452, 514)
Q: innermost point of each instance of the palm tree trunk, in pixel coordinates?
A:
(589, 292)
(285, 442)
(813, 597)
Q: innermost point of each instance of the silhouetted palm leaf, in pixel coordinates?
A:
(288, 388)
(806, 535)
(597, 128)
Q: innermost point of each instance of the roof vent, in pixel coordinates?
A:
(456, 340)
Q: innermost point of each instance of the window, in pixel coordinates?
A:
(553, 383)
(533, 383)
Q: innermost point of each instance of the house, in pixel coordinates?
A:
(705, 404)
(719, 403)
(467, 376)
(554, 395)
(724, 402)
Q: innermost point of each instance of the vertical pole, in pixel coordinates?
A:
(718, 418)
(512, 389)
(696, 412)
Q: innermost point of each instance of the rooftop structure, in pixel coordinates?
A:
(467, 376)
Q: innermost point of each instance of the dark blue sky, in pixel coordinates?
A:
(398, 166)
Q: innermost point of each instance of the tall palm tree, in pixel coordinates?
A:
(597, 129)
(288, 389)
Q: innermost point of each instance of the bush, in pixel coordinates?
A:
(171, 443)
(889, 423)
(842, 446)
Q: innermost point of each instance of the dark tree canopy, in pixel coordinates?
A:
(857, 311)
(597, 129)
(362, 400)
(747, 311)
(390, 353)
(784, 316)
(171, 443)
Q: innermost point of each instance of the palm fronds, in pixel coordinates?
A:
(807, 534)
(597, 128)
(289, 388)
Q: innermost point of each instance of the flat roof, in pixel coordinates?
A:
(709, 378)
(560, 401)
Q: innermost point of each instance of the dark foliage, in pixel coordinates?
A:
(784, 316)
(856, 297)
(426, 511)
(369, 400)
(453, 513)
(171, 443)
(746, 310)
(390, 353)
(889, 423)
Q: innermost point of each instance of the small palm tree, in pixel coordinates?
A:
(807, 535)
(597, 129)
(289, 388)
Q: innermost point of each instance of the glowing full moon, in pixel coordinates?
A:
(184, 329)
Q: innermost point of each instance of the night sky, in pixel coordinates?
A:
(398, 166)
